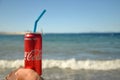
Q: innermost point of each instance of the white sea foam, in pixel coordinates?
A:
(11, 63)
(71, 63)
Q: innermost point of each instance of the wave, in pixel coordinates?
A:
(71, 63)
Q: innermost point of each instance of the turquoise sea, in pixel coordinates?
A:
(67, 56)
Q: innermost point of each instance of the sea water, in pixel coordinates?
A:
(67, 56)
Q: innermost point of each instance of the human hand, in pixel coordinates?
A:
(23, 74)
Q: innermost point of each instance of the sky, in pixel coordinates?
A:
(62, 16)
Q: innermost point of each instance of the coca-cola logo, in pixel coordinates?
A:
(33, 55)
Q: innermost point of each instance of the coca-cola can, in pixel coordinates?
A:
(33, 52)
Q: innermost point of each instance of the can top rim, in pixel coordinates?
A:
(33, 33)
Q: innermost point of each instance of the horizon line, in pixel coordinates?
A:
(22, 33)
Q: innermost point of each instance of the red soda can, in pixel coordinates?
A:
(33, 52)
